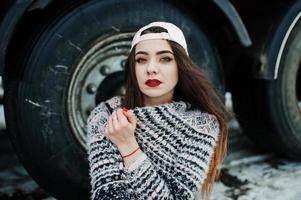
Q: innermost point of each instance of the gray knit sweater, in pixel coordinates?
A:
(177, 144)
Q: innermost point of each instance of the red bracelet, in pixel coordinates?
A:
(131, 153)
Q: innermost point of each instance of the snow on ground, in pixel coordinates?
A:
(271, 179)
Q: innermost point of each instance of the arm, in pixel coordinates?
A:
(186, 177)
(145, 181)
(105, 162)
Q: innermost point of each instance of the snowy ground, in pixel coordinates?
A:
(251, 175)
(263, 180)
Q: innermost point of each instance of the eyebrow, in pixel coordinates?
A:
(157, 53)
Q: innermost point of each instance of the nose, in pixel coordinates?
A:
(152, 67)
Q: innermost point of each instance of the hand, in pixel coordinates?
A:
(120, 130)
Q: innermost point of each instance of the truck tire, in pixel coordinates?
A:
(270, 111)
(74, 61)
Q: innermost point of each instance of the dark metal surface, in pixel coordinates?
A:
(234, 18)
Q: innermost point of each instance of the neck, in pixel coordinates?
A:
(154, 101)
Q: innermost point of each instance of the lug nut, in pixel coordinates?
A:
(122, 63)
(89, 110)
(104, 70)
(122, 90)
(91, 88)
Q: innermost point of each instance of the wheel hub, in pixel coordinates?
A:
(97, 77)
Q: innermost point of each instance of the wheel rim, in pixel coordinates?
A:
(94, 77)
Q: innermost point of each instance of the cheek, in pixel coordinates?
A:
(173, 74)
(139, 75)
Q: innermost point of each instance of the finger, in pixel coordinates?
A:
(106, 129)
(121, 117)
(110, 125)
(130, 116)
(115, 121)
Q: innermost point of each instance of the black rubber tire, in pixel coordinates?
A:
(36, 93)
(268, 110)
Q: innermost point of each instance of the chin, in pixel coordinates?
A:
(152, 95)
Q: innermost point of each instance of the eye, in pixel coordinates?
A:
(166, 59)
(140, 60)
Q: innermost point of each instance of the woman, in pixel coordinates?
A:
(172, 140)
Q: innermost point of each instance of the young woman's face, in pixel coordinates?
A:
(156, 71)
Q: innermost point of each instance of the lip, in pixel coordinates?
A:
(153, 82)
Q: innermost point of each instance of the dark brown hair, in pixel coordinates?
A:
(193, 87)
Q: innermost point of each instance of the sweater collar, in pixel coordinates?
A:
(180, 106)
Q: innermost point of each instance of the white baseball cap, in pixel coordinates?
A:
(174, 33)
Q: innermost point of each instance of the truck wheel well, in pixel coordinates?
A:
(219, 28)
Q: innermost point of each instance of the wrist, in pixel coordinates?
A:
(127, 148)
(129, 161)
(133, 152)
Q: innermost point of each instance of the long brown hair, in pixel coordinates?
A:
(194, 87)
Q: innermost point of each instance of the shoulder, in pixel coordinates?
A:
(211, 123)
(204, 123)
(197, 119)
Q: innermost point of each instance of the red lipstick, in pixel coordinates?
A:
(153, 82)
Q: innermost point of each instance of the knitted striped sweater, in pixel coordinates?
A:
(177, 144)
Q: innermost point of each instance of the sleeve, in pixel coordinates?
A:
(105, 162)
(146, 182)
(187, 175)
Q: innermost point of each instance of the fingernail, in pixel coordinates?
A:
(124, 109)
